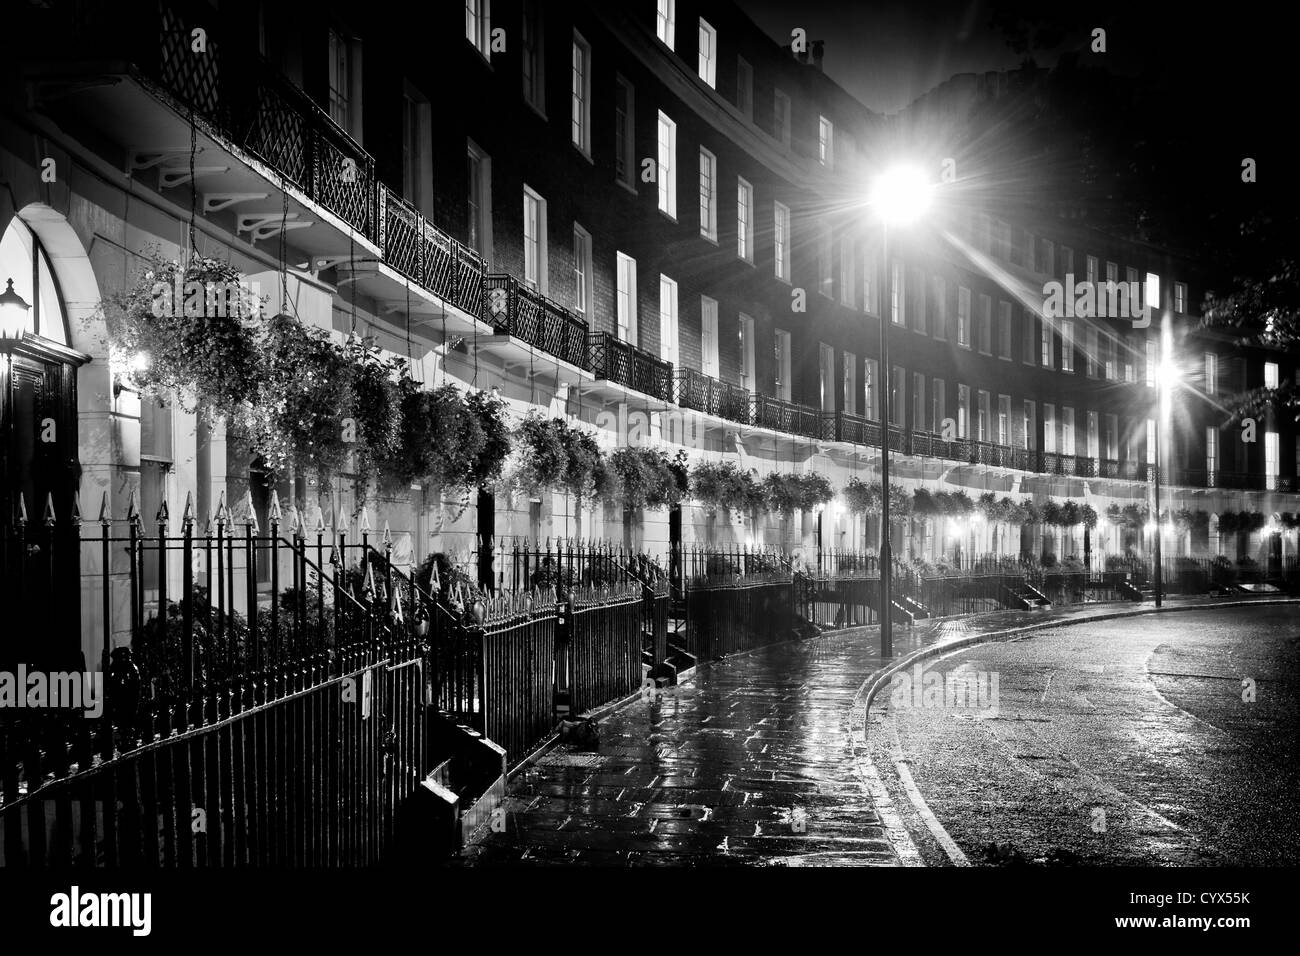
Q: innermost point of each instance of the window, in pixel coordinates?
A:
(1067, 262)
(581, 90)
(1067, 431)
(582, 276)
(1180, 297)
(848, 278)
(1109, 350)
(480, 202)
(1046, 259)
(918, 402)
(1028, 339)
(531, 56)
(1270, 375)
(963, 411)
(340, 79)
(1152, 363)
(826, 376)
(1004, 330)
(417, 151)
(666, 22)
(478, 25)
(963, 317)
(1090, 353)
(1131, 277)
(940, 306)
(984, 419)
(708, 68)
(781, 117)
(746, 343)
(1211, 455)
(782, 241)
(1094, 437)
(1045, 358)
(870, 265)
(825, 282)
(1031, 426)
(708, 195)
(896, 293)
(1211, 374)
(709, 336)
(1049, 428)
(938, 405)
(1003, 436)
(1151, 441)
(625, 298)
(535, 241)
(667, 172)
(917, 304)
(744, 220)
(1130, 358)
(850, 383)
(668, 350)
(1112, 272)
(782, 365)
(1091, 275)
(1067, 346)
(986, 325)
(898, 397)
(744, 88)
(1112, 437)
(624, 134)
(1151, 291)
(825, 142)
(872, 391)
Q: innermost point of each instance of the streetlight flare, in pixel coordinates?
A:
(901, 194)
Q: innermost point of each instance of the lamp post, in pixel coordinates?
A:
(13, 314)
(1166, 376)
(900, 196)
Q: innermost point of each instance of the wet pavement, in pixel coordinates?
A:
(749, 761)
(1124, 742)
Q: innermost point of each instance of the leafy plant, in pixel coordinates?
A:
(722, 485)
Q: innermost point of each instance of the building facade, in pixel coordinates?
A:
(610, 213)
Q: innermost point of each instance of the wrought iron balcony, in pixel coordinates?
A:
(769, 412)
(704, 393)
(515, 309)
(618, 361)
(852, 428)
(428, 256)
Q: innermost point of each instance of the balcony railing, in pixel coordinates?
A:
(769, 412)
(428, 256)
(704, 393)
(853, 428)
(618, 361)
(517, 310)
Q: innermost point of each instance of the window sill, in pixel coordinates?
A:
(537, 109)
(667, 215)
(628, 186)
(712, 240)
(584, 153)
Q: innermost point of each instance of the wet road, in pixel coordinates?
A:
(1125, 741)
(746, 763)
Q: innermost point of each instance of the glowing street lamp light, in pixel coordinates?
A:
(13, 313)
(900, 196)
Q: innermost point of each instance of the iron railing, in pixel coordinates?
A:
(614, 360)
(789, 417)
(693, 389)
(514, 309)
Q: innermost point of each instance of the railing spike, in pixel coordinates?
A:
(22, 509)
(163, 514)
(387, 538)
(320, 520)
(295, 522)
(103, 509)
(341, 521)
(273, 513)
(187, 516)
(223, 513)
(364, 524)
(76, 508)
(49, 509)
(132, 513)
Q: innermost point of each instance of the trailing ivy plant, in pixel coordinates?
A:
(647, 477)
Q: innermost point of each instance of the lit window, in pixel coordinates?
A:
(782, 342)
(825, 142)
(1067, 346)
(963, 411)
(1180, 297)
(1049, 428)
(850, 383)
(480, 201)
(826, 377)
(744, 220)
(870, 380)
(986, 325)
(782, 240)
(625, 298)
(963, 317)
(709, 336)
(1030, 425)
(668, 350)
(478, 25)
(1270, 375)
(1211, 454)
(848, 280)
(708, 195)
(667, 172)
(666, 22)
(1045, 357)
(708, 68)
(534, 241)
(896, 294)
(582, 278)
(825, 282)
(1211, 374)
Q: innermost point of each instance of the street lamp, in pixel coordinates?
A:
(900, 196)
(1165, 378)
(13, 313)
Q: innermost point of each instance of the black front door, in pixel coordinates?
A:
(39, 470)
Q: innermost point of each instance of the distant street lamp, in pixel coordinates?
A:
(1166, 378)
(13, 313)
(900, 196)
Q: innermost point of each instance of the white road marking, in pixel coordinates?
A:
(931, 822)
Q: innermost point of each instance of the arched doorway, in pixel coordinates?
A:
(39, 462)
